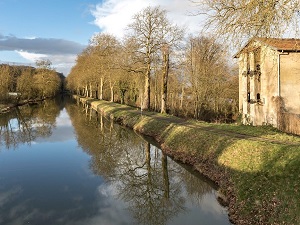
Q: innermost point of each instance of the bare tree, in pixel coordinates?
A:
(43, 64)
(5, 81)
(238, 19)
(46, 80)
(165, 73)
(151, 29)
(208, 76)
(105, 51)
(25, 84)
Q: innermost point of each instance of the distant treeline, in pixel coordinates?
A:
(154, 67)
(26, 82)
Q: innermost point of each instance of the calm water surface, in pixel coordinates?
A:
(61, 164)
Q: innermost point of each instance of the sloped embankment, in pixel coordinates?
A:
(256, 168)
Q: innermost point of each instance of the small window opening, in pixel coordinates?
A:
(257, 67)
(258, 96)
(248, 97)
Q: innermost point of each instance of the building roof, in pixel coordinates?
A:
(279, 44)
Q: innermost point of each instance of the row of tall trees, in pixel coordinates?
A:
(29, 82)
(155, 67)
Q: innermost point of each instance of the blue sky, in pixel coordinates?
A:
(60, 29)
(48, 18)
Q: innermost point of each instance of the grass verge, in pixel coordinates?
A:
(256, 168)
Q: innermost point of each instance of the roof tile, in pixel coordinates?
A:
(285, 44)
(279, 44)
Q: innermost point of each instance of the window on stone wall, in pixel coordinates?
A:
(248, 97)
(258, 73)
(258, 96)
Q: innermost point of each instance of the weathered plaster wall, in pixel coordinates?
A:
(243, 67)
(241, 83)
(290, 81)
(269, 85)
(263, 112)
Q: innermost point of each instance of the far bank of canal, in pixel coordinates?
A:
(256, 168)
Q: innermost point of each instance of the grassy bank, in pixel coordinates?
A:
(256, 168)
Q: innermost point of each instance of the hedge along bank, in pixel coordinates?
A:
(256, 168)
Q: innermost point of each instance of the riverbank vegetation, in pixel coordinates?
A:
(24, 83)
(154, 67)
(257, 169)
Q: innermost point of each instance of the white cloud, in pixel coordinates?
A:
(31, 56)
(113, 16)
(61, 63)
(62, 53)
(30, 37)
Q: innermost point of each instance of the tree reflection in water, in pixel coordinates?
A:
(143, 183)
(151, 187)
(26, 123)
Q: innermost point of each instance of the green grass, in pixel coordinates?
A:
(258, 172)
(267, 132)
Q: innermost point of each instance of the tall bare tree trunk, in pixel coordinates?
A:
(146, 100)
(112, 97)
(155, 94)
(86, 92)
(182, 97)
(196, 110)
(101, 89)
(165, 80)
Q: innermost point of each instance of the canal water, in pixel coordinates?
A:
(63, 164)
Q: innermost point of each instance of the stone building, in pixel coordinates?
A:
(269, 82)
